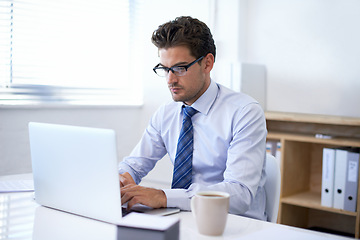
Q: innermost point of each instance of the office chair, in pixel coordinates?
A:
(272, 187)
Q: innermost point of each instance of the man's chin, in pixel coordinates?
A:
(177, 98)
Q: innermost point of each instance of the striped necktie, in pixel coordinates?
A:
(182, 176)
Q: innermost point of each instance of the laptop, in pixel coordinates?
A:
(75, 170)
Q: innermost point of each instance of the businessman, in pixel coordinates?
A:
(215, 137)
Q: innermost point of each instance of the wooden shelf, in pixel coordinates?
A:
(312, 139)
(312, 200)
(312, 118)
(301, 168)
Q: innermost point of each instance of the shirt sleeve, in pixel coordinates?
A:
(146, 153)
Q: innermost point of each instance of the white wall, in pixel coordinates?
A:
(310, 49)
(312, 53)
(14, 147)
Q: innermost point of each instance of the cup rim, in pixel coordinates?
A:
(222, 194)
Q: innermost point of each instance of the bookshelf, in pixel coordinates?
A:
(301, 169)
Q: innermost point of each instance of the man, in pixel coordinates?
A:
(227, 130)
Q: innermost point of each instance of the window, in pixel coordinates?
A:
(67, 51)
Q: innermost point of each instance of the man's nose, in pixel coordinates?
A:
(171, 77)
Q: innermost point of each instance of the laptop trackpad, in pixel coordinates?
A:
(154, 211)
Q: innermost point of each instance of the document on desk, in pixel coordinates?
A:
(7, 186)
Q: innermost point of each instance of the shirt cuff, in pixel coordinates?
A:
(178, 198)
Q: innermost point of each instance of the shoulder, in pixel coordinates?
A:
(166, 112)
(168, 108)
(243, 110)
(238, 101)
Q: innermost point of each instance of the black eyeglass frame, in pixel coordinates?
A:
(172, 69)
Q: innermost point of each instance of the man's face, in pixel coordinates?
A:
(193, 84)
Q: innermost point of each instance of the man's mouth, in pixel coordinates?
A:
(175, 89)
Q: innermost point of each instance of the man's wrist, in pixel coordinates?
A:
(164, 199)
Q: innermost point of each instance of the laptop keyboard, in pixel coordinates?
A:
(125, 212)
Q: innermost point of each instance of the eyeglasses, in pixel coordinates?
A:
(177, 70)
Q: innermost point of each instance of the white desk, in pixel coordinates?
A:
(22, 218)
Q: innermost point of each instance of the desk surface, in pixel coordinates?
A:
(22, 218)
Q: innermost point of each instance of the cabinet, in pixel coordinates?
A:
(301, 169)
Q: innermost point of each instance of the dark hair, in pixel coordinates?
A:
(185, 31)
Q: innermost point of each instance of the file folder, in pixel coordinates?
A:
(351, 185)
(328, 172)
(278, 152)
(271, 147)
(340, 177)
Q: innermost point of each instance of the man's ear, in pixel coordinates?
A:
(209, 62)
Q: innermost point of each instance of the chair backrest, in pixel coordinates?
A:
(272, 187)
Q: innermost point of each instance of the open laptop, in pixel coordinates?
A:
(75, 170)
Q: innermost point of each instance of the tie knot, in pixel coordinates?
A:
(189, 111)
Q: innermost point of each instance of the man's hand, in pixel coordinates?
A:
(133, 194)
(125, 179)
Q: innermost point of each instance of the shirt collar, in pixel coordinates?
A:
(206, 100)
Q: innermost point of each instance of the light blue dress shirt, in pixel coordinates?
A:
(229, 149)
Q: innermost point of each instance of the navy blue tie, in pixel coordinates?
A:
(183, 160)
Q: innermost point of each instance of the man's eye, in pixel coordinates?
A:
(179, 69)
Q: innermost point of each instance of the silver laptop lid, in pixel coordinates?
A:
(75, 170)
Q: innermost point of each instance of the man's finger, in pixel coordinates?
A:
(133, 194)
(125, 179)
(122, 180)
(125, 193)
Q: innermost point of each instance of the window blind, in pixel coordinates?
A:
(66, 51)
